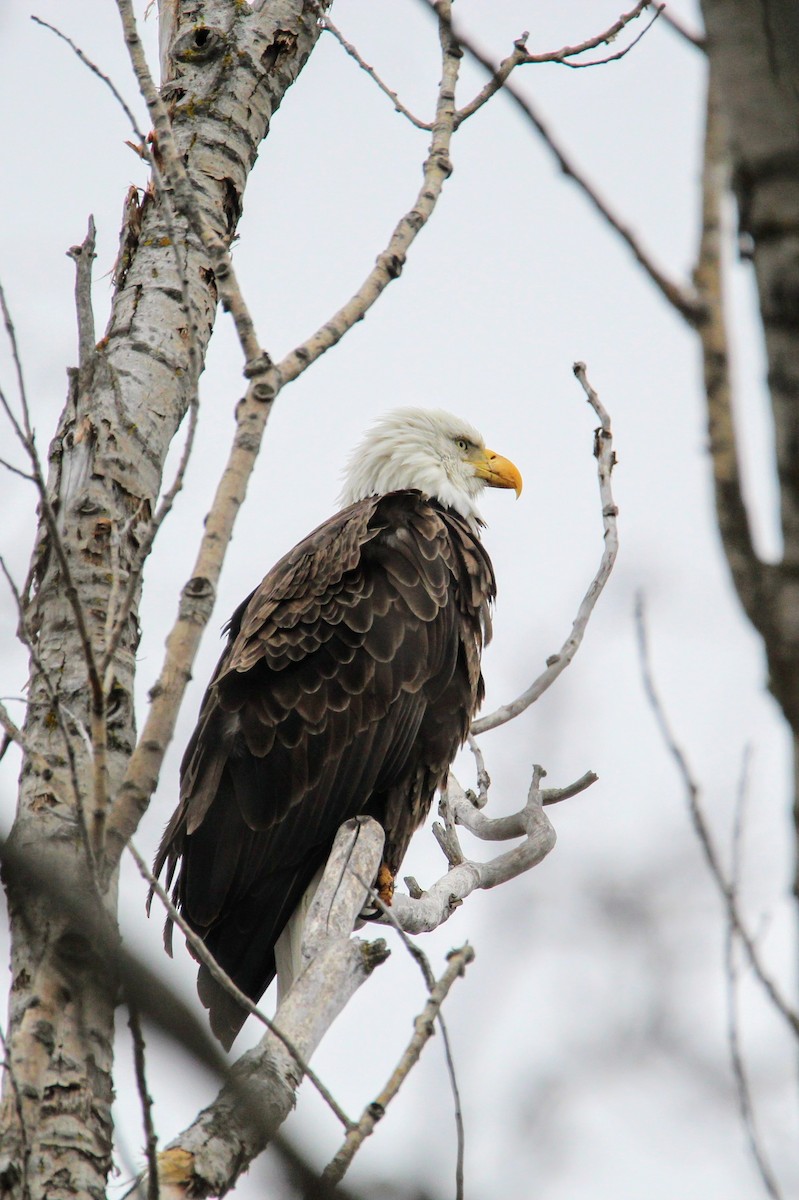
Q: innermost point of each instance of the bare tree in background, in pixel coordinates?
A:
(753, 132)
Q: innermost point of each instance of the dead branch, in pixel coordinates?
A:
(425, 912)
(557, 663)
(423, 1028)
(146, 1101)
(739, 1070)
(83, 256)
(373, 75)
(678, 295)
(521, 56)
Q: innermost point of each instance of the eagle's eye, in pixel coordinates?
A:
(462, 444)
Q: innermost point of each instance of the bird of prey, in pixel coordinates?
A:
(348, 683)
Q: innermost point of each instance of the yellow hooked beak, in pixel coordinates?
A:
(497, 471)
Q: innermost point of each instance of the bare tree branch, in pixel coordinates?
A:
(739, 1070)
(703, 833)
(83, 256)
(422, 1032)
(423, 911)
(698, 40)
(680, 297)
(370, 71)
(601, 62)
(520, 56)
(557, 663)
(150, 1136)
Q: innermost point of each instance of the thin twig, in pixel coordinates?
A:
(557, 663)
(740, 1074)
(680, 297)
(602, 62)
(520, 56)
(423, 1031)
(702, 830)
(10, 466)
(146, 1100)
(423, 962)
(698, 40)
(327, 24)
(204, 955)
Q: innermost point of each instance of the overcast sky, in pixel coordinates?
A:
(590, 1033)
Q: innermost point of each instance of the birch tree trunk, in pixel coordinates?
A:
(754, 54)
(228, 67)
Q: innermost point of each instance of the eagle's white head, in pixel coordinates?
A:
(427, 449)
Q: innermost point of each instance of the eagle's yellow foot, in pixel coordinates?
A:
(385, 884)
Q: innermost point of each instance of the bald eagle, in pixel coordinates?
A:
(349, 681)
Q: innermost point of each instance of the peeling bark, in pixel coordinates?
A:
(227, 69)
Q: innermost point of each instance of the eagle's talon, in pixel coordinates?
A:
(385, 884)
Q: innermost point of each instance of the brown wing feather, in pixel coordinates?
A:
(349, 681)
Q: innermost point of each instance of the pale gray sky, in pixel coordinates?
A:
(589, 1034)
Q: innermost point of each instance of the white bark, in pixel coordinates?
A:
(209, 1156)
(423, 913)
(106, 460)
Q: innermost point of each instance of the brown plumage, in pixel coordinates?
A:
(349, 682)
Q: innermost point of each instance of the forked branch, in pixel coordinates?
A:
(431, 908)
